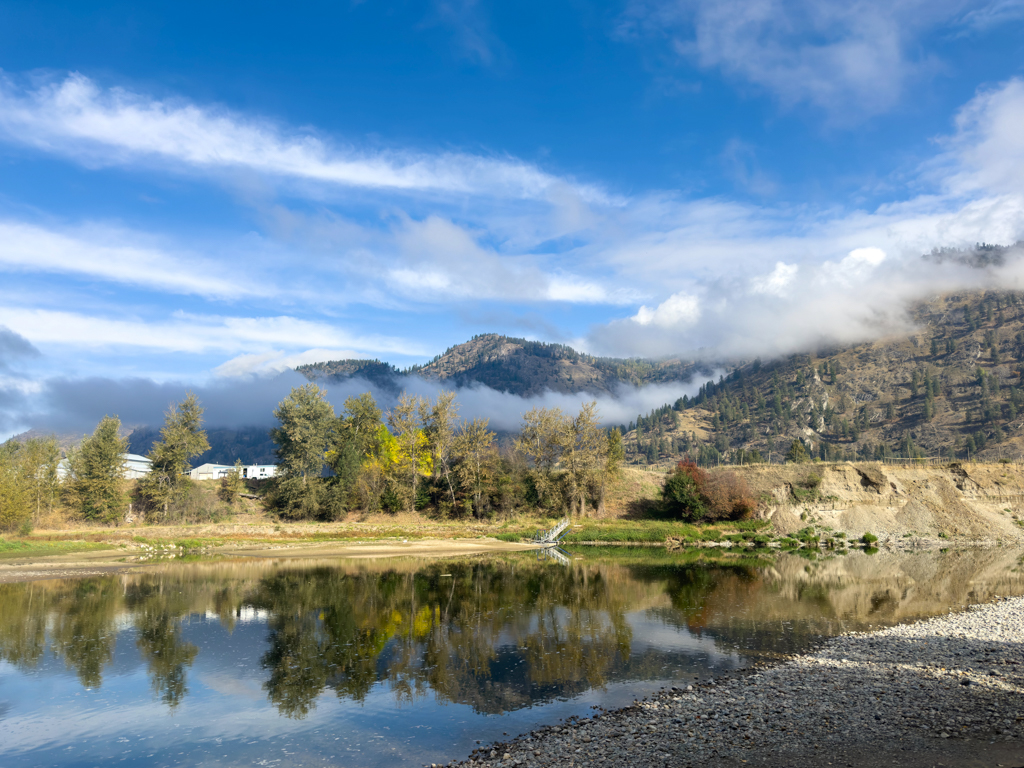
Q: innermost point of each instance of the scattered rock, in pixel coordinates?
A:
(907, 685)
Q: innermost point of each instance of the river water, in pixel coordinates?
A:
(406, 662)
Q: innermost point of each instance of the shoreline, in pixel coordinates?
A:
(942, 691)
(101, 562)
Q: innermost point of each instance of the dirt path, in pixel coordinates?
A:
(100, 562)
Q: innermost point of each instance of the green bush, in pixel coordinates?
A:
(869, 538)
(316, 499)
(681, 496)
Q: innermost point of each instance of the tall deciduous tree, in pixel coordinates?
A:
(307, 422)
(584, 448)
(440, 430)
(412, 457)
(98, 484)
(354, 442)
(28, 480)
(41, 459)
(471, 449)
(540, 440)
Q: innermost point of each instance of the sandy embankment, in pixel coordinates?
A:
(119, 561)
(981, 502)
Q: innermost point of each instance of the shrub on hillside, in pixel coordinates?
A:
(693, 495)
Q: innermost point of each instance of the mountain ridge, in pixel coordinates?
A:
(517, 366)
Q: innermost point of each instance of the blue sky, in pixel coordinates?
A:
(197, 193)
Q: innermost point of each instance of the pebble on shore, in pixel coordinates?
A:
(908, 687)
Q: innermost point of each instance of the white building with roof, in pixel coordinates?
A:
(136, 466)
(217, 471)
(210, 471)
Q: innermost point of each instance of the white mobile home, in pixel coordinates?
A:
(259, 471)
(217, 471)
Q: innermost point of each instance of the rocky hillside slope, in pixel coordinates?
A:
(951, 389)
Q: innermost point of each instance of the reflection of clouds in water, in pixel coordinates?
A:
(231, 685)
(650, 634)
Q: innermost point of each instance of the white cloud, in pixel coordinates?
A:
(577, 291)
(777, 281)
(857, 265)
(441, 260)
(78, 119)
(678, 310)
(849, 58)
(276, 360)
(986, 154)
(117, 256)
(472, 34)
(697, 268)
(993, 14)
(195, 334)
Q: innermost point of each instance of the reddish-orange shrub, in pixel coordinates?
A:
(695, 495)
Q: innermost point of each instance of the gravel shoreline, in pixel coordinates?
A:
(944, 691)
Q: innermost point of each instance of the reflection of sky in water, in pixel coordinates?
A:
(225, 719)
(567, 646)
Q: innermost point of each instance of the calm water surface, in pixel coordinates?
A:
(398, 662)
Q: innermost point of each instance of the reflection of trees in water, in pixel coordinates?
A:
(156, 618)
(730, 605)
(84, 632)
(497, 634)
(485, 634)
(23, 612)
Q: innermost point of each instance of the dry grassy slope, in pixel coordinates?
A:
(871, 376)
(978, 501)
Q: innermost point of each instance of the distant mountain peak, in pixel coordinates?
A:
(515, 365)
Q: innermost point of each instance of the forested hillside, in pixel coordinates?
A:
(518, 366)
(951, 390)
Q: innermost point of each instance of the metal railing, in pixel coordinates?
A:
(554, 535)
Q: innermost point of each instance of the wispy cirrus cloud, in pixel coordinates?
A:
(76, 118)
(695, 273)
(195, 334)
(852, 59)
(473, 36)
(986, 153)
(117, 255)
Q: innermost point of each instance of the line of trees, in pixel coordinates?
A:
(421, 455)
(89, 481)
(417, 455)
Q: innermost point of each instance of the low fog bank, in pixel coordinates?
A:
(75, 406)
